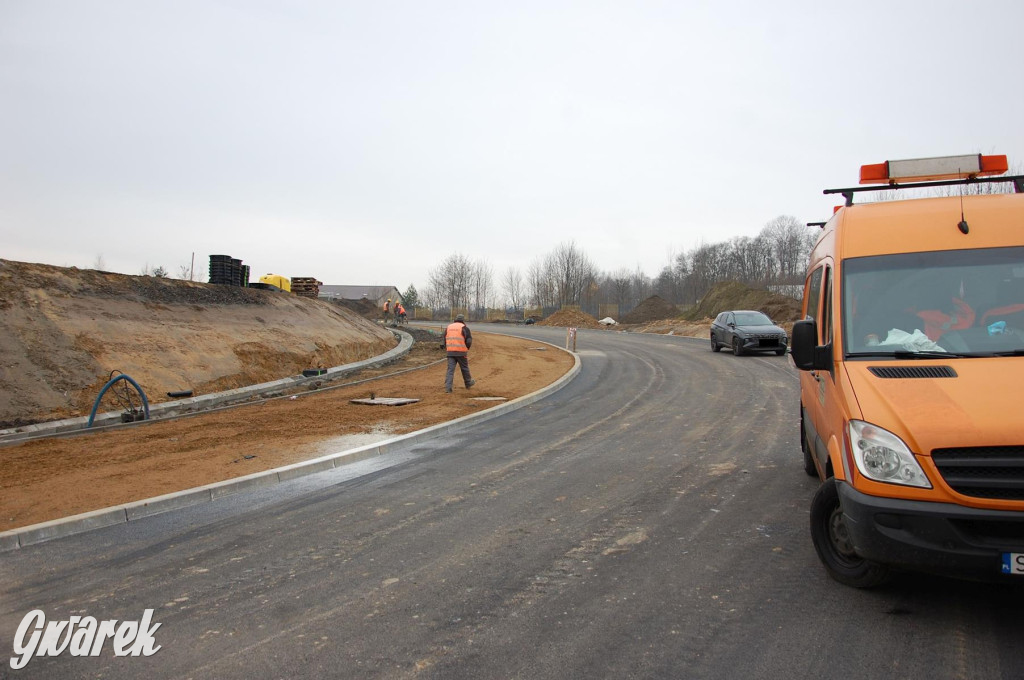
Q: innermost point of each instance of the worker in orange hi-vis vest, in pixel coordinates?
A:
(399, 312)
(387, 309)
(457, 341)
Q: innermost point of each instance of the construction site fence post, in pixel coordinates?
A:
(570, 338)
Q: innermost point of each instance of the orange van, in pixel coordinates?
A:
(911, 358)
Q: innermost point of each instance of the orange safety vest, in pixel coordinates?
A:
(400, 308)
(936, 322)
(1000, 311)
(387, 305)
(453, 339)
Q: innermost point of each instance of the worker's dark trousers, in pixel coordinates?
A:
(463, 363)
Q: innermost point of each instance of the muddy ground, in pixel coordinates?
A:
(57, 477)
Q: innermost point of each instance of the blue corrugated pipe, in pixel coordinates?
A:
(96, 405)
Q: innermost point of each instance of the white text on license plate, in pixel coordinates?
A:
(1013, 563)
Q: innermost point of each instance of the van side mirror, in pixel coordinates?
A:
(807, 354)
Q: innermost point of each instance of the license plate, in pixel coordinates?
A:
(1013, 563)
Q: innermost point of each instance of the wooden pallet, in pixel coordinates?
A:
(306, 286)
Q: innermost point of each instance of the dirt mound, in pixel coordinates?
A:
(65, 330)
(735, 295)
(570, 318)
(363, 308)
(651, 309)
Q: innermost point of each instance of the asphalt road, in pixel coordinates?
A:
(648, 520)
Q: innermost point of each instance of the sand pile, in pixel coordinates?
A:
(570, 318)
(653, 308)
(734, 295)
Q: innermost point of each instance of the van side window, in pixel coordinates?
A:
(813, 293)
(825, 327)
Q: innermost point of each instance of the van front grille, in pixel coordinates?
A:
(995, 472)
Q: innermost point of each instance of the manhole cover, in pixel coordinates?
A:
(385, 401)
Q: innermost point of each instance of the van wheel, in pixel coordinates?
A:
(832, 542)
(780, 351)
(715, 347)
(809, 467)
(737, 347)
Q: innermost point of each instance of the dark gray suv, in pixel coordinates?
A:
(747, 331)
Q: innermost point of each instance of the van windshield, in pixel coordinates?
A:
(945, 303)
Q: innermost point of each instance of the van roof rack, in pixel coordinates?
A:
(1017, 180)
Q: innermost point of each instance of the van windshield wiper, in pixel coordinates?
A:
(929, 354)
(907, 354)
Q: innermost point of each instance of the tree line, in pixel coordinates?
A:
(567, 276)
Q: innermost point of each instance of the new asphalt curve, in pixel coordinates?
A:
(649, 520)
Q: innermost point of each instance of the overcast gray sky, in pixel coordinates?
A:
(363, 142)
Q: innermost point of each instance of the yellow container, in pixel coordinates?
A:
(277, 280)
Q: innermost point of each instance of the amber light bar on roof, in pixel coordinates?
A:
(939, 168)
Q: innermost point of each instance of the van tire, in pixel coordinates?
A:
(828, 532)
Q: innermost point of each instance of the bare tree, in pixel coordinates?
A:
(572, 273)
(788, 237)
(621, 289)
(667, 285)
(99, 264)
(482, 280)
(512, 283)
(539, 284)
(640, 286)
(184, 272)
(451, 280)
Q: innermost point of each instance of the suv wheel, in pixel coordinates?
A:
(737, 346)
(715, 347)
(831, 539)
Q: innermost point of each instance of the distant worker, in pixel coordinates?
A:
(399, 312)
(387, 310)
(457, 341)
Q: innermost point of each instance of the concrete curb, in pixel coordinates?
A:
(67, 526)
(178, 407)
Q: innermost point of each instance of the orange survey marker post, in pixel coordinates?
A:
(911, 358)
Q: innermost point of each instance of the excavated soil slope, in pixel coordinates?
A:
(64, 331)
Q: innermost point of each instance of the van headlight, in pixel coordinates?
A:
(882, 456)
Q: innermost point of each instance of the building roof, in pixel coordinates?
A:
(372, 293)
